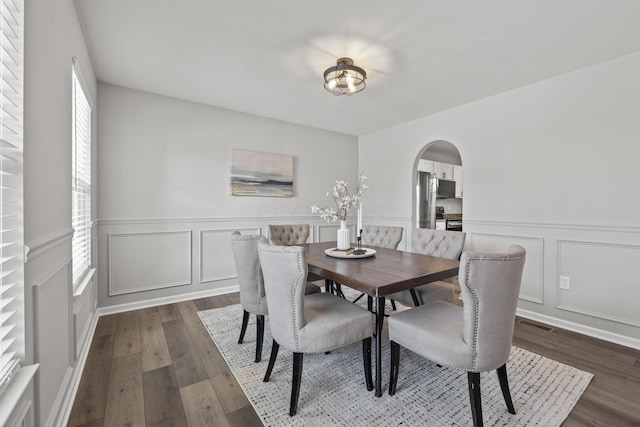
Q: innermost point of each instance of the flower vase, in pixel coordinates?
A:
(344, 237)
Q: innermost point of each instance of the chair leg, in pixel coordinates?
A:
(395, 367)
(504, 385)
(393, 305)
(272, 360)
(295, 383)
(260, 336)
(327, 285)
(358, 299)
(474, 396)
(245, 322)
(414, 297)
(366, 356)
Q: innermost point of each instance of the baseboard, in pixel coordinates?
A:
(581, 329)
(121, 308)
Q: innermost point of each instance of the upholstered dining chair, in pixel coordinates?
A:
(384, 236)
(292, 234)
(251, 283)
(316, 323)
(474, 338)
(439, 243)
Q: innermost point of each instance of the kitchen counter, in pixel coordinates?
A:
(452, 216)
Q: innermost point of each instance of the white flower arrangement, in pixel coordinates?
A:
(343, 199)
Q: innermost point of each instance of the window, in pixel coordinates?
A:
(81, 180)
(11, 206)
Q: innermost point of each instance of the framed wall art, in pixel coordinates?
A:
(261, 174)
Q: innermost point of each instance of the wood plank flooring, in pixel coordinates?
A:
(159, 367)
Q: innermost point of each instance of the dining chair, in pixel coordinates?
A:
(251, 284)
(474, 338)
(384, 236)
(293, 234)
(316, 323)
(438, 243)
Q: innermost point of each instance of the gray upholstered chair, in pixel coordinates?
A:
(384, 236)
(474, 338)
(381, 236)
(252, 293)
(288, 234)
(292, 234)
(438, 243)
(315, 323)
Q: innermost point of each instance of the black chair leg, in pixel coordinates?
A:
(295, 383)
(260, 336)
(393, 305)
(474, 397)
(272, 360)
(504, 385)
(395, 367)
(414, 297)
(366, 356)
(327, 285)
(245, 322)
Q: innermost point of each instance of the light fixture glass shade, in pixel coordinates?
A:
(345, 78)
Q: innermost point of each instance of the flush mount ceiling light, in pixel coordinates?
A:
(345, 78)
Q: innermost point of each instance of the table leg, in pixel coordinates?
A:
(379, 322)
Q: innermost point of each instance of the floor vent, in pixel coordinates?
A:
(537, 325)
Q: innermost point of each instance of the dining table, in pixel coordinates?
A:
(378, 273)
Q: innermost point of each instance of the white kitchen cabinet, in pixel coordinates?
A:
(425, 165)
(457, 177)
(443, 170)
(441, 224)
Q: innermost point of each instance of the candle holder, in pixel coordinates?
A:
(359, 251)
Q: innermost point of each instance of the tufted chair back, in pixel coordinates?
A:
(439, 243)
(382, 236)
(288, 234)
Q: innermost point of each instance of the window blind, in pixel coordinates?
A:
(81, 181)
(11, 206)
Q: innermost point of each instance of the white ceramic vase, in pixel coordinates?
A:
(344, 236)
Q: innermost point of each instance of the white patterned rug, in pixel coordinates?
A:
(333, 392)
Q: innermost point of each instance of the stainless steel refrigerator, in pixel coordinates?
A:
(426, 194)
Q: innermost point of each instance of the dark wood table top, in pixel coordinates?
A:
(386, 272)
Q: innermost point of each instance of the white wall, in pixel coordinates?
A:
(52, 37)
(551, 166)
(165, 206)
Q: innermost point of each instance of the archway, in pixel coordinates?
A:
(438, 187)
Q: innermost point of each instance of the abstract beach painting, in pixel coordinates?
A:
(261, 174)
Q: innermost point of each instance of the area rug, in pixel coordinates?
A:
(333, 392)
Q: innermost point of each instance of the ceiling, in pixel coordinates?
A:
(421, 56)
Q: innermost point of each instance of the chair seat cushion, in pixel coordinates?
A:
(332, 322)
(433, 331)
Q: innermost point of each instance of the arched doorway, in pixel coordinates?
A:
(438, 194)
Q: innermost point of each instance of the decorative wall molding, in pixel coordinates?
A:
(229, 263)
(119, 264)
(260, 219)
(553, 225)
(539, 279)
(616, 275)
(44, 245)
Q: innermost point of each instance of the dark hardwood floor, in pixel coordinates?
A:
(159, 367)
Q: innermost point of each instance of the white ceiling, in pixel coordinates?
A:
(422, 56)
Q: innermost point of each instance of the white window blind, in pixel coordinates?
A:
(81, 177)
(11, 206)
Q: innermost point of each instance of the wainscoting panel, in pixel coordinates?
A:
(146, 261)
(600, 277)
(216, 258)
(532, 288)
(52, 327)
